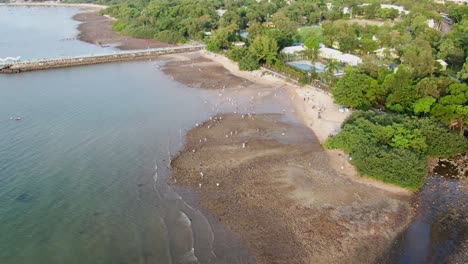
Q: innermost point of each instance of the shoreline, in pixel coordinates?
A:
(330, 120)
(268, 168)
(391, 205)
(98, 30)
(83, 5)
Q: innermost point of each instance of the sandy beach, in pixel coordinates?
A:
(272, 182)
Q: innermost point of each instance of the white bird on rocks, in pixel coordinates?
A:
(217, 184)
(199, 185)
(201, 174)
(243, 145)
(193, 150)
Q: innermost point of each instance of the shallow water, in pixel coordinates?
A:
(33, 32)
(441, 222)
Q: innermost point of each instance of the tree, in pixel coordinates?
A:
(418, 55)
(352, 90)
(400, 89)
(264, 48)
(458, 13)
(237, 53)
(463, 74)
(450, 52)
(221, 38)
(452, 109)
(249, 63)
(423, 105)
(427, 87)
(312, 44)
(388, 13)
(368, 45)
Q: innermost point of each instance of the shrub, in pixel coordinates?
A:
(169, 36)
(394, 148)
(249, 63)
(237, 53)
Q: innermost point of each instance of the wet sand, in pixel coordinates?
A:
(268, 179)
(97, 29)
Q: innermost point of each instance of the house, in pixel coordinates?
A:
(459, 2)
(384, 52)
(239, 44)
(221, 12)
(350, 59)
(400, 9)
(333, 54)
(269, 24)
(293, 50)
(431, 23)
(443, 64)
(328, 53)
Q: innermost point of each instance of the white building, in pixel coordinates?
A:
(350, 59)
(221, 12)
(400, 9)
(384, 52)
(239, 44)
(443, 64)
(330, 54)
(293, 49)
(460, 2)
(333, 54)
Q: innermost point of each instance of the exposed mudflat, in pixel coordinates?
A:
(97, 29)
(271, 182)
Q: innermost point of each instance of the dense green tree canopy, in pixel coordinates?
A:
(394, 148)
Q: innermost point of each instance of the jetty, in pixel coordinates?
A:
(117, 56)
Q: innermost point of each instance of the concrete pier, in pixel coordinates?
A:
(37, 65)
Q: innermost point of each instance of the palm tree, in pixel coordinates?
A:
(331, 67)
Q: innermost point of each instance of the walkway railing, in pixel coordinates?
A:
(141, 52)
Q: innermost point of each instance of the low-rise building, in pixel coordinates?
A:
(293, 50)
(443, 64)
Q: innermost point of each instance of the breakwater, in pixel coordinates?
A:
(45, 64)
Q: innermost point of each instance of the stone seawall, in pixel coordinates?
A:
(94, 59)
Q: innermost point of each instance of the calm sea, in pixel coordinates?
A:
(79, 173)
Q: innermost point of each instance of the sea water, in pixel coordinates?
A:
(79, 172)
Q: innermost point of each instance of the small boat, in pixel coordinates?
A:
(18, 119)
